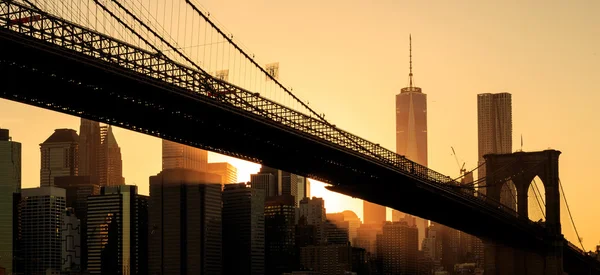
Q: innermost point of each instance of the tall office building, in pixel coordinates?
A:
(184, 223)
(10, 183)
(314, 212)
(280, 217)
(373, 213)
(110, 162)
(243, 230)
(175, 155)
(397, 248)
(494, 131)
(347, 217)
(276, 182)
(226, 171)
(60, 154)
(266, 182)
(114, 231)
(78, 188)
(42, 214)
(411, 131)
(89, 149)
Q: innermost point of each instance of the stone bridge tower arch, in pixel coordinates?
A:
(522, 168)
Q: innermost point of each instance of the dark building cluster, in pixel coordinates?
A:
(84, 219)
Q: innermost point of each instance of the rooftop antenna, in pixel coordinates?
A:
(410, 75)
(521, 142)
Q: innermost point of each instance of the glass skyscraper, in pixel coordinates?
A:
(411, 132)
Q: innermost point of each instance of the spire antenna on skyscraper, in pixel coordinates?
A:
(410, 75)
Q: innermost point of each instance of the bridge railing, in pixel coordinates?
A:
(101, 47)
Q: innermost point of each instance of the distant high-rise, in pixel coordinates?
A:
(110, 162)
(397, 248)
(411, 130)
(347, 217)
(243, 230)
(114, 231)
(42, 214)
(89, 149)
(373, 213)
(280, 217)
(184, 223)
(494, 131)
(314, 212)
(226, 171)
(175, 155)
(59, 156)
(276, 182)
(10, 183)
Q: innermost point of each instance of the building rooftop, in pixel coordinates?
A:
(63, 135)
(4, 134)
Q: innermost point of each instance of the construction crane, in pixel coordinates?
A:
(462, 169)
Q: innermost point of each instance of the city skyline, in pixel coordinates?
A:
(447, 117)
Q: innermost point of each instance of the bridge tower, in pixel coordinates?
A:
(522, 168)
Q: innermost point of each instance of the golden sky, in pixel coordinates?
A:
(349, 59)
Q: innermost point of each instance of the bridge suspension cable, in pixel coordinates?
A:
(230, 40)
(149, 63)
(538, 197)
(562, 191)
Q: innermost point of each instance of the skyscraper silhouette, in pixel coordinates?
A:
(111, 164)
(175, 155)
(10, 183)
(494, 132)
(411, 130)
(89, 149)
(60, 155)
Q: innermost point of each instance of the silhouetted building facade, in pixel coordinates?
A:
(60, 153)
(411, 132)
(331, 259)
(78, 189)
(275, 182)
(348, 219)
(89, 149)
(397, 248)
(226, 171)
(243, 230)
(10, 183)
(185, 228)
(71, 239)
(374, 213)
(366, 237)
(42, 215)
(494, 132)
(314, 212)
(265, 182)
(110, 162)
(280, 217)
(175, 155)
(114, 231)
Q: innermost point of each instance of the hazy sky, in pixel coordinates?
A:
(349, 59)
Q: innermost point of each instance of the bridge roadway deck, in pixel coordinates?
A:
(46, 75)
